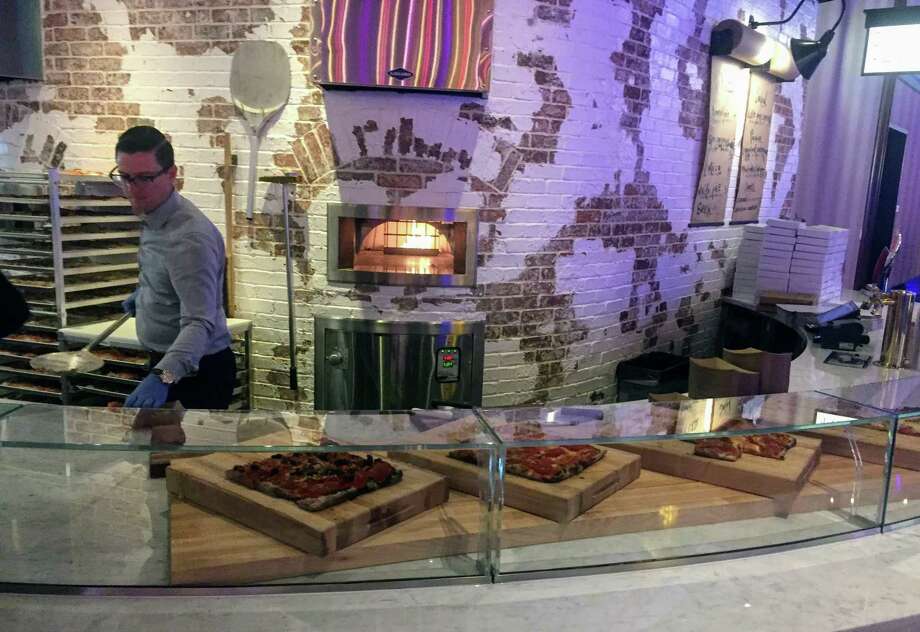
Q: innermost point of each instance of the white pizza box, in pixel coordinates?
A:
(774, 251)
(753, 236)
(749, 255)
(824, 262)
(750, 249)
(776, 255)
(779, 233)
(754, 229)
(830, 244)
(821, 231)
(775, 285)
(779, 245)
(817, 273)
(774, 266)
(806, 247)
(772, 278)
(781, 242)
(785, 223)
(826, 245)
(809, 284)
(774, 272)
(807, 255)
(817, 278)
(748, 272)
(811, 264)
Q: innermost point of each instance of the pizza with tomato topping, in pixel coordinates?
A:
(316, 481)
(773, 445)
(722, 448)
(545, 465)
(905, 427)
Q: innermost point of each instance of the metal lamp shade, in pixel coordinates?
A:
(809, 53)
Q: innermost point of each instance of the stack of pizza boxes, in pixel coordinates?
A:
(748, 263)
(776, 255)
(817, 262)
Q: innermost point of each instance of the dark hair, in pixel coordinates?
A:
(146, 138)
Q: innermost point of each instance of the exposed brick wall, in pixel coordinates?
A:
(581, 164)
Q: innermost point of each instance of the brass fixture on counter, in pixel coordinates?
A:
(897, 327)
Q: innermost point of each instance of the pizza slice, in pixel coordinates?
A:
(721, 448)
(551, 464)
(541, 464)
(766, 445)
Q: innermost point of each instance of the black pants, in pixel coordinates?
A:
(209, 389)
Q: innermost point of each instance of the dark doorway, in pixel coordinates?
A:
(879, 227)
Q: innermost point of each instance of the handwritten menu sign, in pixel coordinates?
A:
(727, 99)
(752, 172)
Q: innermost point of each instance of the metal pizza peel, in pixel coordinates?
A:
(260, 85)
(80, 361)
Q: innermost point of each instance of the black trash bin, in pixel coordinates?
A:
(655, 372)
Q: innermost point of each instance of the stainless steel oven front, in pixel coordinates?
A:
(397, 365)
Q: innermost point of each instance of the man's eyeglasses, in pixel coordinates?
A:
(124, 179)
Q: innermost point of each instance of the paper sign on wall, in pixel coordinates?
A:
(727, 101)
(752, 172)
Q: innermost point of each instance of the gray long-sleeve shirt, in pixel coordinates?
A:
(180, 303)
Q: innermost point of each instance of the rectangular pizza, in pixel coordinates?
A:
(542, 464)
(315, 481)
(772, 445)
(905, 427)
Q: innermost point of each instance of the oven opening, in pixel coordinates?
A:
(402, 245)
(405, 246)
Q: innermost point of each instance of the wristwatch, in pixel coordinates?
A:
(166, 376)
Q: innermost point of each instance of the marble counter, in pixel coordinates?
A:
(839, 586)
(810, 373)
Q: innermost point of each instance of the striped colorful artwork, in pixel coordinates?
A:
(421, 44)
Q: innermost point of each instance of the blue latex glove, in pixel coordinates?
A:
(129, 305)
(150, 393)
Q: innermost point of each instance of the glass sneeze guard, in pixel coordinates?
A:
(900, 398)
(679, 505)
(81, 508)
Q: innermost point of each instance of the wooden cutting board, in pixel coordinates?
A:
(873, 445)
(754, 474)
(561, 501)
(206, 548)
(202, 481)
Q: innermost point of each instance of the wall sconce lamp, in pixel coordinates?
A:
(806, 53)
(892, 41)
(733, 39)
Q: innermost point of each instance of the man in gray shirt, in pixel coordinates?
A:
(179, 302)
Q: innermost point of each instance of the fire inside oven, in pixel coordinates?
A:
(403, 246)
